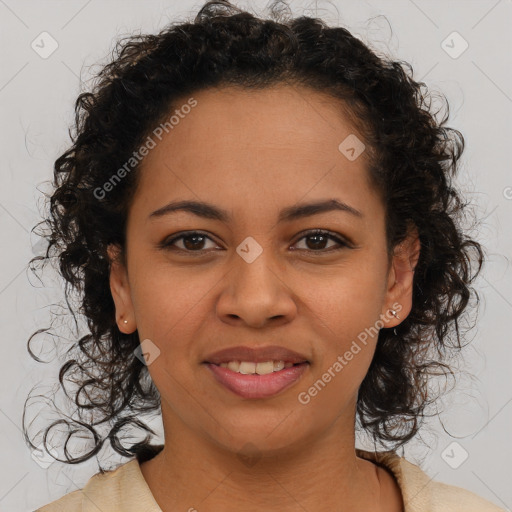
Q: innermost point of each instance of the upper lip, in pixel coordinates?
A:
(257, 355)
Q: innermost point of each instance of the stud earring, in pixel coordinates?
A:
(394, 313)
(125, 321)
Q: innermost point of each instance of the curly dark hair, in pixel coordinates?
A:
(412, 160)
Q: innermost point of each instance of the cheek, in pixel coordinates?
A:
(169, 300)
(347, 300)
(344, 311)
(346, 336)
(171, 305)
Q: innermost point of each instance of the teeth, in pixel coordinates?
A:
(234, 365)
(248, 367)
(264, 368)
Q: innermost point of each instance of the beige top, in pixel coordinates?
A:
(125, 490)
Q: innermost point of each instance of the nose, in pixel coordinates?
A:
(256, 294)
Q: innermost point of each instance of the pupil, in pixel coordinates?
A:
(192, 237)
(321, 237)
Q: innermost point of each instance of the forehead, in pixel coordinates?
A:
(280, 117)
(271, 145)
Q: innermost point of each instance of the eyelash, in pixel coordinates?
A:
(168, 243)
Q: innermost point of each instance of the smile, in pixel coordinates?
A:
(257, 380)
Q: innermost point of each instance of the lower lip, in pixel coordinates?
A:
(257, 386)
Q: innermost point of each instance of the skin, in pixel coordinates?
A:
(254, 153)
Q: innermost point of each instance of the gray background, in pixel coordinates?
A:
(37, 97)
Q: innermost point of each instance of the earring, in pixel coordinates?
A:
(394, 313)
(125, 321)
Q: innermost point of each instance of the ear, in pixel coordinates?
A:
(120, 289)
(400, 279)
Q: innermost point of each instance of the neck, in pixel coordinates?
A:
(317, 474)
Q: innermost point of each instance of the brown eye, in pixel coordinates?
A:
(318, 240)
(192, 241)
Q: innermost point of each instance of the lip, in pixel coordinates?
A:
(256, 355)
(257, 386)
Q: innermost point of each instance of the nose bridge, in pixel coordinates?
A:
(256, 290)
(254, 263)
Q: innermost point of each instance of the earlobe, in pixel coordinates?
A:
(120, 290)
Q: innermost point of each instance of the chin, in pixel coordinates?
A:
(256, 439)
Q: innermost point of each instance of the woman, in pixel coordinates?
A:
(260, 219)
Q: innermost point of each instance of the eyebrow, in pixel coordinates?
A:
(288, 214)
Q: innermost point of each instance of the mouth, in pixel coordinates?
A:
(251, 380)
(256, 373)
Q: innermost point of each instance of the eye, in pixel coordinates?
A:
(319, 237)
(192, 241)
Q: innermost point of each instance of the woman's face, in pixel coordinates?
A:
(258, 279)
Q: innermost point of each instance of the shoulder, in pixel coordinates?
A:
(423, 494)
(423, 491)
(122, 489)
